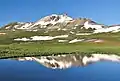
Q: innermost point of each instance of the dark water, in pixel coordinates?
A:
(13, 70)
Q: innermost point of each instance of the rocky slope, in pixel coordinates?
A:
(62, 22)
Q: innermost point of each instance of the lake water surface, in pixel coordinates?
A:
(14, 70)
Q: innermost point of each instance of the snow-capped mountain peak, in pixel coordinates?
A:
(53, 19)
(63, 22)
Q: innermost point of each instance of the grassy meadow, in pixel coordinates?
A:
(11, 48)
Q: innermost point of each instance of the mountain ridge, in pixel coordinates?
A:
(62, 22)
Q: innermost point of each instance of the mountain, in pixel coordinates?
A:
(62, 22)
(18, 25)
(54, 21)
(42, 23)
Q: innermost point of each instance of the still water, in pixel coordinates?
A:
(14, 70)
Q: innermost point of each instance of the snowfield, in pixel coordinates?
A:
(35, 38)
(108, 29)
(45, 38)
(62, 40)
(76, 40)
(22, 39)
(88, 25)
(41, 38)
(84, 34)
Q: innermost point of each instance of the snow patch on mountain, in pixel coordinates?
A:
(93, 26)
(25, 26)
(63, 22)
(108, 29)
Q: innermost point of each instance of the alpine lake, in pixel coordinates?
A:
(61, 68)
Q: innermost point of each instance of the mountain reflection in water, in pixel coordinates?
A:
(67, 61)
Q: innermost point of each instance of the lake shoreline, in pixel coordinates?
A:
(34, 54)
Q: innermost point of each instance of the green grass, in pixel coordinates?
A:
(10, 48)
(49, 49)
(81, 47)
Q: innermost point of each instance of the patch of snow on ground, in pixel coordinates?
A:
(62, 40)
(83, 33)
(72, 32)
(22, 39)
(42, 38)
(76, 40)
(61, 36)
(99, 40)
(35, 38)
(90, 40)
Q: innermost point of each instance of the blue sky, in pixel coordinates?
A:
(102, 11)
